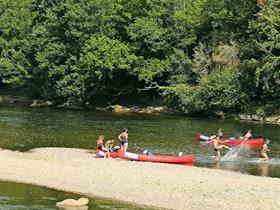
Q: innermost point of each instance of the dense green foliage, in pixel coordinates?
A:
(204, 55)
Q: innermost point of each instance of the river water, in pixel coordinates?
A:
(15, 196)
(24, 128)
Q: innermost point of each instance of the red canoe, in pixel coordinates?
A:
(252, 143)
(184, 159)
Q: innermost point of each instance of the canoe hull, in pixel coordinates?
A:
(252, 143)
(185, 159)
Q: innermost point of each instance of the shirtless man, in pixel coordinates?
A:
(218, 146)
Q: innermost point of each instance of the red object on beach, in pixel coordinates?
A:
(184, 159)
(252, 143)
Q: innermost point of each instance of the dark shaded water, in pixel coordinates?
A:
(26, 128)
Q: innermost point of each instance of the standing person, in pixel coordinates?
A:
(100, 146)
(265, 150)
(248, 135)
(123, 137)
(218, 146)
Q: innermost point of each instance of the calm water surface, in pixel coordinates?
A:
(26, 128)
(15, 196)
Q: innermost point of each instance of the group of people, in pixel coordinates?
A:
(108, 147)
(218, 145)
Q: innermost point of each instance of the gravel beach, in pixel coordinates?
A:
(164, 186)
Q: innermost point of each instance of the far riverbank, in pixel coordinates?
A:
(25, 101)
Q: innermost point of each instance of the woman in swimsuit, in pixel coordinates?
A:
(100, 146)
(123, 137)
(265, 150)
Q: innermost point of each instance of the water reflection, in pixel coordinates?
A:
(217, 165)
(15, 196)
(263, 168)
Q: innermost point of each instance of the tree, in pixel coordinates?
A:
(266, 35)
(102, 61)
(15, 24)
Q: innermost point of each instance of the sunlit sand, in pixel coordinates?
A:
(165, 186)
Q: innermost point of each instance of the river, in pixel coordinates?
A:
(25, 128)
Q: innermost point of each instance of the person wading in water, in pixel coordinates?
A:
(265, 150)
(218, 146)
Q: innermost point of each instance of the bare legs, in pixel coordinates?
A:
(264, 156)
(125, 146)
(107, 152)
(224, 146)
(218, 156)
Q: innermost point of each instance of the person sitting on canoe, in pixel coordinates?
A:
(248, 135)
(218, 146)
(220, 134)
(211, 138)
(109, 145)
(123, 137)
(265, 150)
(100, 146)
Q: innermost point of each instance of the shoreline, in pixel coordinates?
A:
(163, 186)
(29, 102)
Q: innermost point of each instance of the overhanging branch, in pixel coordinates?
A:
(153, 85)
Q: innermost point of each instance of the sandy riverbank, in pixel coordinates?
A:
(159, 185)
